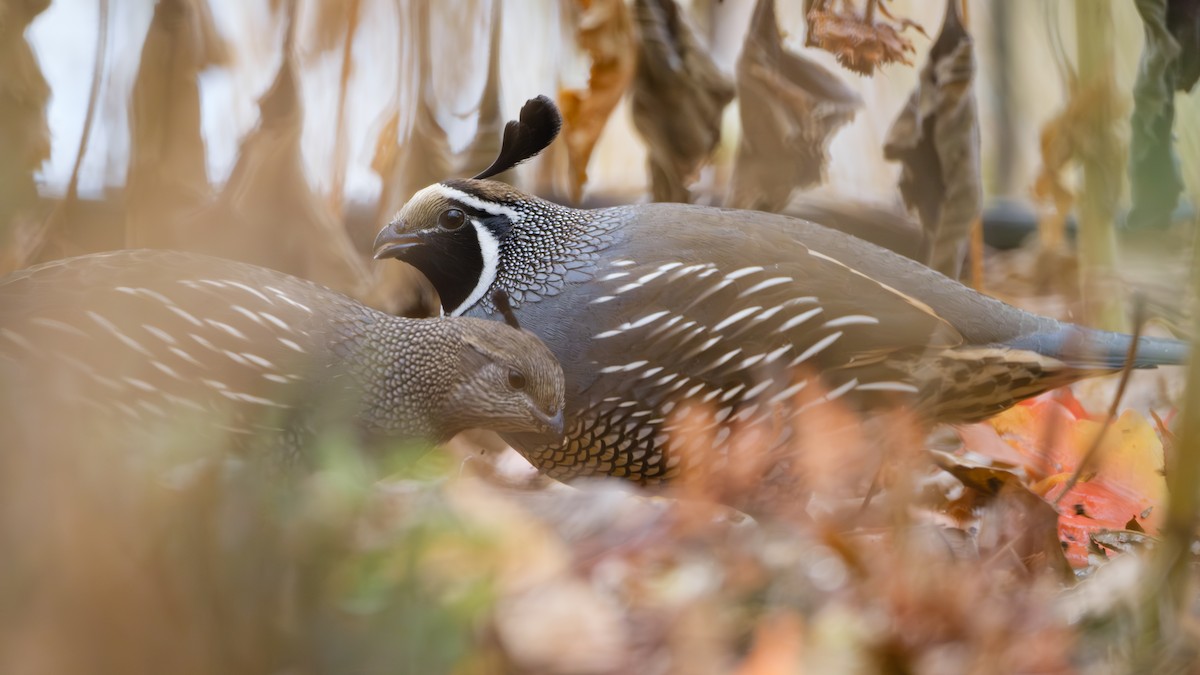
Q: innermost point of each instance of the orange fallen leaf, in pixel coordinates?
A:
(1047, 438)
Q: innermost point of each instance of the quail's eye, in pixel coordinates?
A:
(516, 379)
(452, 219)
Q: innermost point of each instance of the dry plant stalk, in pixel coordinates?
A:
(936, 140)
(273, 217)
(1102, 158)
(338, 180)
(24, 135)
(423, 157)
(859, 42)
(489, 129)
(790, 109)
(167, 179)
(267, 213)
(1064, 140)
(606, 34)
(679, 96)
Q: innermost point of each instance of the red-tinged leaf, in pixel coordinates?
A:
(1096, 506)
(1048, 439)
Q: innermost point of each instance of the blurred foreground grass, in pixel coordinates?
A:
(456, 563)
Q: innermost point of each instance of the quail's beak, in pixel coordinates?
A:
(554, 425)
(390, 243)
(526, 440)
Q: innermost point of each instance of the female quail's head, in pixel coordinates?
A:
(508, 381)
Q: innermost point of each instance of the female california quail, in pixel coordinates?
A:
(166, 342)
(654, 305)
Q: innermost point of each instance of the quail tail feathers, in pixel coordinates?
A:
(1090, 349)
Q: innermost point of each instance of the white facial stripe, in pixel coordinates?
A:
(889, 386)
(489, 249)
(473, 202)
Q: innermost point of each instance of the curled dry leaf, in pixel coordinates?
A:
(24, 134)
(606, 34)
(678, 98)
(790, 109)
(858, 41)
(1090, 113)
(1169, 63)
(936, 140)
(167, 180)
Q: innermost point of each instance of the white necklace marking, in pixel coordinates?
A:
(489, 250)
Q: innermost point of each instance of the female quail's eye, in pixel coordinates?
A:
(516, 379)
(452, 219)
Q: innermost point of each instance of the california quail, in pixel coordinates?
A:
(162, 340)
(653, 305)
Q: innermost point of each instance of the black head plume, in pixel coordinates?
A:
(525, 138)
(501, 301)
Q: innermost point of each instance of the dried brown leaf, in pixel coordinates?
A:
(268, 213)
(679, 95)
(858, 41)
(606, 34)
(24, 134)
(330, 21)
(1183, 20)
(167, 179)
(790, 109)
(936, 140)
(213, 49)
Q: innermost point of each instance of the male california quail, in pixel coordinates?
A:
(652, 305)
(174, 342)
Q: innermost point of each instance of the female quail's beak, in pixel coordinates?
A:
(554, 425)
(391, 242)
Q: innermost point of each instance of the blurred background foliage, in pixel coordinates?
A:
(285, 133)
